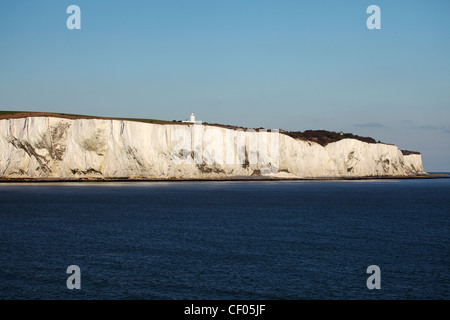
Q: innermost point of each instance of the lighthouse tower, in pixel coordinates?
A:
(191, 119)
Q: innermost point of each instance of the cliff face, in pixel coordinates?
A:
(48, 147)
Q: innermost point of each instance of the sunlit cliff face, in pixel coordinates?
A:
(49, 147)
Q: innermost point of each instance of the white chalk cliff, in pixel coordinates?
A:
(52, 147)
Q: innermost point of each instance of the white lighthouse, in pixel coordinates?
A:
(192, 119)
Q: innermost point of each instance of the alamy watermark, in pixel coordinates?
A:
(374, 281)
(74, 20)
(374, 21)
(74, 280)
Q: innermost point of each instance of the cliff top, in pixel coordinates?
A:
(25, 114)
(322, 137)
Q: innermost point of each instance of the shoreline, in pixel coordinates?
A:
(250, 179)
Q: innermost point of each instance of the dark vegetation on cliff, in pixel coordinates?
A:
(408, 152)
(324, 137)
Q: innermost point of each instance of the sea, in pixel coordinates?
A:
(268, 240)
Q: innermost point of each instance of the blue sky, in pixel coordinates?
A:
(294, 65)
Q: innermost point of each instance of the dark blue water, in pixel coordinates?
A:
(226, 240)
